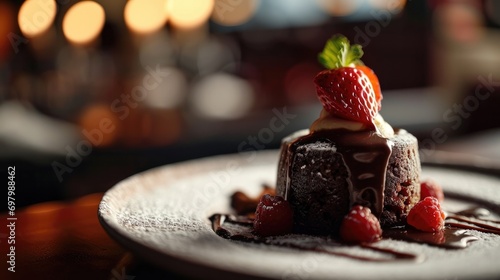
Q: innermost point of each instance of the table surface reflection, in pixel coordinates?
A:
(64, 240)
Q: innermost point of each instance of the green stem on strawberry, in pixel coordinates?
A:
(338, 53)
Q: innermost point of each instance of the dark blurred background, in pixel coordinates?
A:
(92, 92)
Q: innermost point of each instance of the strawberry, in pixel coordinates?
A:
(375, 83)
(347, 93)
(348, 89)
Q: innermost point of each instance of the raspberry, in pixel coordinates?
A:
(274, 216)
(427, 215)
(431, 188)
(360, 225)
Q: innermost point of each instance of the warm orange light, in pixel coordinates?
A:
(232, 13)
(88, 200)
(83, 22)
(189, 13)
(339, 7)
(394, 6)
(100, 127)
(145, 16)
(44, 208)
(36, 16)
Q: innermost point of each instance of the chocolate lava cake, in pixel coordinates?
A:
(323, 174)
(349, 156)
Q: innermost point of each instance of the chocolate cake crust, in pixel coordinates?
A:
(323, 174)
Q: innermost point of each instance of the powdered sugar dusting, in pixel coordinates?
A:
(163, 214)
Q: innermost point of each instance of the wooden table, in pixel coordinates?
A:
(64, 240)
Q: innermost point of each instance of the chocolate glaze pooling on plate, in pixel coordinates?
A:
(456, 235)
(240, 228)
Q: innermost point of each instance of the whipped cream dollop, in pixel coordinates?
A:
(328, 122)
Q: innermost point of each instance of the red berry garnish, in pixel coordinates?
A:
(427, 215)
(431, 188)
(347, 93)
(360, 225)
(274, 216)
(375, 83)
(348, 89)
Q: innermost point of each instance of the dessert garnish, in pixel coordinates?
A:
(347, 89)
(427, 215)
(273, 216)
(351, 179)
(360, 226)
(455, 234)
(348, 150)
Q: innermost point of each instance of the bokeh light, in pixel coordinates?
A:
(189, 13)
(168, 92)
(83, 22)
(100, 126)
(286, 13)
(460, 22)
(145, 16)
(339, 7)
(394, 6)
(232, 13)
(36, 16)
(222, 96)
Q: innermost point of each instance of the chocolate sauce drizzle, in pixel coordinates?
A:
(476, 218)
(365, 154)
(456, 235)
(240, 228)
(451, 238)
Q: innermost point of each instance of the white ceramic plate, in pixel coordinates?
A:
(162, 216)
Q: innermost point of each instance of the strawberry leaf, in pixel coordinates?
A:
(339, 53)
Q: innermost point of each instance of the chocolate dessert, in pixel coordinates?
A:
(350, 155)
(351, 179)
(323, 174)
